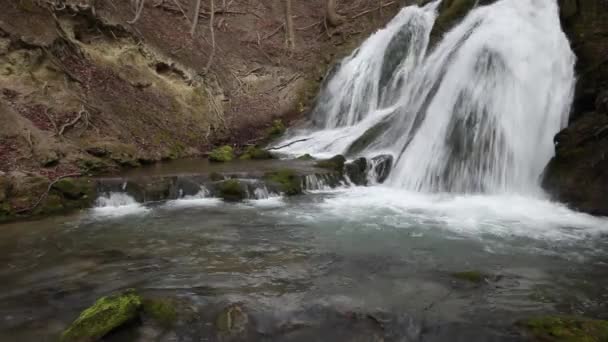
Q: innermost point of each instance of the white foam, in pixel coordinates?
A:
(505, 216)
(201, 199)
(116, 205)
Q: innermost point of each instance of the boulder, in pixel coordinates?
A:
(382, 166)
(107, 314)
(335, 163)
(288, 181)
(232, 190)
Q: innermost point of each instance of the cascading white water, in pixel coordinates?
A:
(476, 114)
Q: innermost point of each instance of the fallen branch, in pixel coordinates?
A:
(46, 193)
(373, 9)
(287, 145)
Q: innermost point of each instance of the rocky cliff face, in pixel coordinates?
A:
(578, 175)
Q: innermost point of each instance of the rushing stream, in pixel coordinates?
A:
(469, 124)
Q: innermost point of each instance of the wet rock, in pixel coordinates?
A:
(288, 181)
(369, 137)
(335, 163)
(216, 177)
(578, 174)
(565, 328)
(75, 188)
(450, 13)
(222, 154)
(107, 314)
(232, 190)
(382, 166)
(256, 153)
(356, 171)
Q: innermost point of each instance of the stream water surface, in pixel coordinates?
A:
(311, 262)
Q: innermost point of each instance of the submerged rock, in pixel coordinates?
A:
(232, 321)
(161, 310)
(565, 329)
(222, 154)
(475, 277)
(107, 314)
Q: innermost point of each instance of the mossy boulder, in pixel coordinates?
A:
(306, 156)
(565, 329)
(335, 163)
(288, 181)
(75, 188)
(475, 277)
(256, 153)
(161, 310)
(222, 154)
(107, 314)
(232, 190)
(276, 130)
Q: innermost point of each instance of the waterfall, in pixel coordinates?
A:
(475, 113)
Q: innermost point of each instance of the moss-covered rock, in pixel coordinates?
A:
(306, 157)
(276, 130)
(75, 188)
(475, 277)
(256, 153)
(232, 190)
(565, 329)
(289, 182)
(107, 314)
(161, 310)
(216, 177)
(335, 163)
(222, 154)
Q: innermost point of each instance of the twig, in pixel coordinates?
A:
(274, 32)
(71, 123)
(46, 193)
(287, 145)
(51, 120)
(373, 9)
(140, 8)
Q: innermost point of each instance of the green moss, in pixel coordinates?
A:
(335, 163)
(277, 129)
(232, 190)
(288, 180)
(222, 154)
(306, 157)
(256, 153)
(161, 310)
(566, 329)
(470, 276)
(107, 314)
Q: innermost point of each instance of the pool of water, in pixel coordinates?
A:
(320, 259)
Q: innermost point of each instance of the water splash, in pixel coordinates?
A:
(477, 114)
(117, 204)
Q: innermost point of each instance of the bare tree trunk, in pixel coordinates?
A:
(289, 31)
(197, 9)
(212, 30)
(332, 17)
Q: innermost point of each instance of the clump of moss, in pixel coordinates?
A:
(161, 310)
(566, 329)
(256, 153)
(277, 129)
(232, 190)
(222, 154)
(107, 314)
(306, 157)
(470, 276)
(335, 163)
(288, 180)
